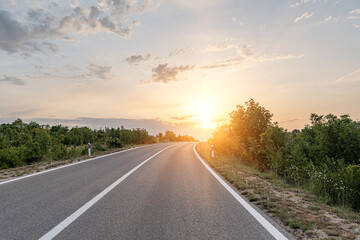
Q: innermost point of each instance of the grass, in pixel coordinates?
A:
(298, 210)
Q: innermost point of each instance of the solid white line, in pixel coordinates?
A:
(71, 164)
(265, 223)
(61, 226)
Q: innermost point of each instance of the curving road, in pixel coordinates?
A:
(169, 195)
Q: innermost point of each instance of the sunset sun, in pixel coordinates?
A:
(205, 114)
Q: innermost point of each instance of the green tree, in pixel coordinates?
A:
(248, 123)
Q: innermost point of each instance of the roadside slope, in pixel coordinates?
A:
(297, 210)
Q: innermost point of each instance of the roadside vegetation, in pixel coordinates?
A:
(298, 210)
(323, 158)
(28, 143)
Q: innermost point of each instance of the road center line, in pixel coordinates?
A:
(265, 223)
(61, 226)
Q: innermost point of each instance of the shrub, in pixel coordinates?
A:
(324, 156)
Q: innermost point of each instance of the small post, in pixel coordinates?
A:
(89, 146)
(212, 151)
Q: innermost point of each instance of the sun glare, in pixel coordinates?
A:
(207, 124)
(204, 112)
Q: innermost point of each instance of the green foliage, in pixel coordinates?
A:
(114, 142)
(324, 156)
(25, 143)
(170, 136)
(243, 136)
(248, 123)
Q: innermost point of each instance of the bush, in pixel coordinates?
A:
(9, 157)
(324, 156)
(27, 143)
(114, 142)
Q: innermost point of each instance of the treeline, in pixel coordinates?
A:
(170, 136)
(323, 157)
(24, 143)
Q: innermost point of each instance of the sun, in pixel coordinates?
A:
(204, 112)
(207, 123)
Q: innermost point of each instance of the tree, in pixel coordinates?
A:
(248, 123)
(170, 135)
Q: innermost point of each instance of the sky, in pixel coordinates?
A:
(177, 65)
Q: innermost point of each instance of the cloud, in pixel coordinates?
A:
(298, 3)
(235, 61)
(353, 17)
(328, 18)
(163, 73)
(69, 67)
(292, 120)
(176, 52)
(219, 46)
(245, 51)
(225, 63)
(356, 26)
(99, 71)
(33, 31)
(183, 118)
(351, 77)
(355, 11)
(135, 59)
(12, 80)
(279, 57)
(305, 15)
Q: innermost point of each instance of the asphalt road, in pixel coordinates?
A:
(171, 196)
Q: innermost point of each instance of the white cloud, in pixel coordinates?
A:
(353, 17)
(355, 11)
(33, 31)
(236, 61)
(298, 3)
(219, 46)
(279, 57)
(351, 77)
(328, 18)
(305, 15)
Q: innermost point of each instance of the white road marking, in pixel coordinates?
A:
(265, 223)
(71, 164)
(61, 226)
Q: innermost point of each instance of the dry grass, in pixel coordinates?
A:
(297, 210)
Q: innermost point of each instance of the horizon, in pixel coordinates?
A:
(177, 64)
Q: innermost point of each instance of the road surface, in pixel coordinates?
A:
(169, 195)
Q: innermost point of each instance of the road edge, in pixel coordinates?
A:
(71, 164)
(254, 211)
